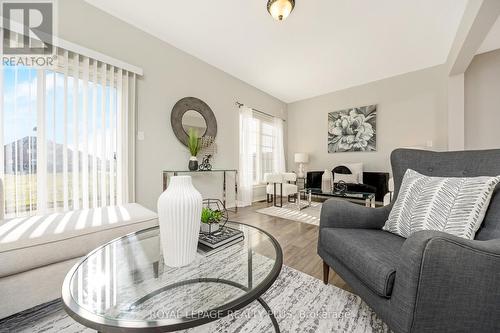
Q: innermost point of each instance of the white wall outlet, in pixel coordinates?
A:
(140, 135)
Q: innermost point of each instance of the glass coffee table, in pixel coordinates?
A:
(124, 286)
(369, 198)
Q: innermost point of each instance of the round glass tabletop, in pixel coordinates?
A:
(125, 285)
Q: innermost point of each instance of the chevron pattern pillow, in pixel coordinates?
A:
(453, 205)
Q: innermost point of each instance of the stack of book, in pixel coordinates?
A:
(225, 235)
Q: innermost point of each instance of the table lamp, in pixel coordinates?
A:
(301, 158)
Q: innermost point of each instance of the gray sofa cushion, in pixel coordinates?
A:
(370, 254)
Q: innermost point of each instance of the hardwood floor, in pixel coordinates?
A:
(298, 241)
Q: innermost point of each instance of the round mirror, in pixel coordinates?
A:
(191, 112)
(194, 120)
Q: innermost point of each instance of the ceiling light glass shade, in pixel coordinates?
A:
(280, 9)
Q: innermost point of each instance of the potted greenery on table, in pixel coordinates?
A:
(194, 147)
(210, 220)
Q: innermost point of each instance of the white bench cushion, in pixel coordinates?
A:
(36, 241)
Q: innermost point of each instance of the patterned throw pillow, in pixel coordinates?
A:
(453, 205)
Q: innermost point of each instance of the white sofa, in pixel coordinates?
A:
(36, 252)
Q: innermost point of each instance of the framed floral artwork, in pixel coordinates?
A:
(353, 129)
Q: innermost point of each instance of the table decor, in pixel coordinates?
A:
(210, 220)
(326, 181)
(194, 148)
(179, 211)
(224, 235)
(340, 187)
(205, 163)
(213, 215)
(208, 149)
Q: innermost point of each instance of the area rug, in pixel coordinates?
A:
(289, 211)
(300, 303)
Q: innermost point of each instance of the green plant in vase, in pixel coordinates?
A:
(194, 147)
(210, 219)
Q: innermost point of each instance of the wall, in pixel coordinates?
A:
(412, 110)
(456, 112)
(169, 75)
(482, 102)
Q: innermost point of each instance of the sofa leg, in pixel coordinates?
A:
(326, 271)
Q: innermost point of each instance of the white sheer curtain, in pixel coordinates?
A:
(278, 147)
(246, 167)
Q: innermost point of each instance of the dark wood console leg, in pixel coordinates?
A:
(326, 271)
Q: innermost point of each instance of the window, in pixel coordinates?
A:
(262, 146)
(261, 150)
(63, 135)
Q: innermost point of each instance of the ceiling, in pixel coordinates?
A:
(324, 46)
(492, 40)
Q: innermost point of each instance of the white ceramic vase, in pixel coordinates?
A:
(326, 181)
(179, 212)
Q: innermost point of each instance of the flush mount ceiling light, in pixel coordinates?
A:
(280, 9)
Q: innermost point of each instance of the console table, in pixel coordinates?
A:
(224, 172)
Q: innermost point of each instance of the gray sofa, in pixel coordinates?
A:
(431, 281)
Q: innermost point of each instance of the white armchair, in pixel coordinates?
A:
(281, 184)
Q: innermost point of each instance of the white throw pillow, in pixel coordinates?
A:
(356, 169)
(348, 178)
(453, 205)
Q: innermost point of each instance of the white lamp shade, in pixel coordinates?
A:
(301, 158)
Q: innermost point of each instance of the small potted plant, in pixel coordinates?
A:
(210, 220)
(194, 147)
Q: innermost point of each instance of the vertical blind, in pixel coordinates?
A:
(64, 140)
